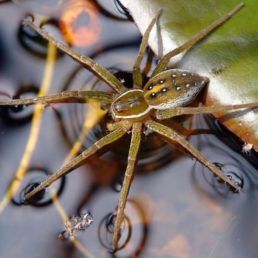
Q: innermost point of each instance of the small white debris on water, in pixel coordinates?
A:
(147, 132)
(75, 224)
(247, 147)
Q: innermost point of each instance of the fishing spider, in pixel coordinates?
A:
(163, 96)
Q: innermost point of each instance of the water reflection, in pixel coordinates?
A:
(37, 6)
(34, 176)
(180, 216)
(134, 231)
(105, 10)
(80, 23)
(233, 172)
(31, 41)
(222, 157)
(233, 141)
(18, 115)
(4, 1)
(106, 231)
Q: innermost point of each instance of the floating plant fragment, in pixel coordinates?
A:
(75, 224)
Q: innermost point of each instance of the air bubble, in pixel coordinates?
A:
(117, 186)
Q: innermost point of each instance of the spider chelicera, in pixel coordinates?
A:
(164, 96)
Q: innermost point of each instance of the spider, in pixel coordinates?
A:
(164, 96)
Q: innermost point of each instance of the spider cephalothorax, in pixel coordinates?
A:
(164, 96)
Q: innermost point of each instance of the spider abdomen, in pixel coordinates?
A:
(173, 88)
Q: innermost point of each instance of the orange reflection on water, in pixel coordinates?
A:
(80, 23)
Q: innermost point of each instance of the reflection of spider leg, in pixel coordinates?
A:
(194, 40)
(137, 76)
(176, 137)
(90, 64)
(168, 113)
(133, 151)
(80, 159)
(104, 98)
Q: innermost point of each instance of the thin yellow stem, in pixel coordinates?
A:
(65, 217)
(93, 115)
(35, 129)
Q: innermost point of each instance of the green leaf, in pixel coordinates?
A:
(229, 56)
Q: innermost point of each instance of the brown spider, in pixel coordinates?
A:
(163, 96)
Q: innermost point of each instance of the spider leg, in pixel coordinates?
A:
(168, 113)
(194, 40)
(80, 159)
(137, 76)
(148, 65)
(90, 64)
(104, 98)
(174, 136)
(133, 151)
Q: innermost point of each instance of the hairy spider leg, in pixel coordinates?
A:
(137, 75)
(174, 136)
(86, 61)
(104, 98)
(133, 151)
(178, 111)
(163, 63)
(80, 159)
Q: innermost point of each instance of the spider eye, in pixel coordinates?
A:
(153, 95)
(163, 90)
(150, 87)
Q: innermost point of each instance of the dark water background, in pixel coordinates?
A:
(176, 207)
